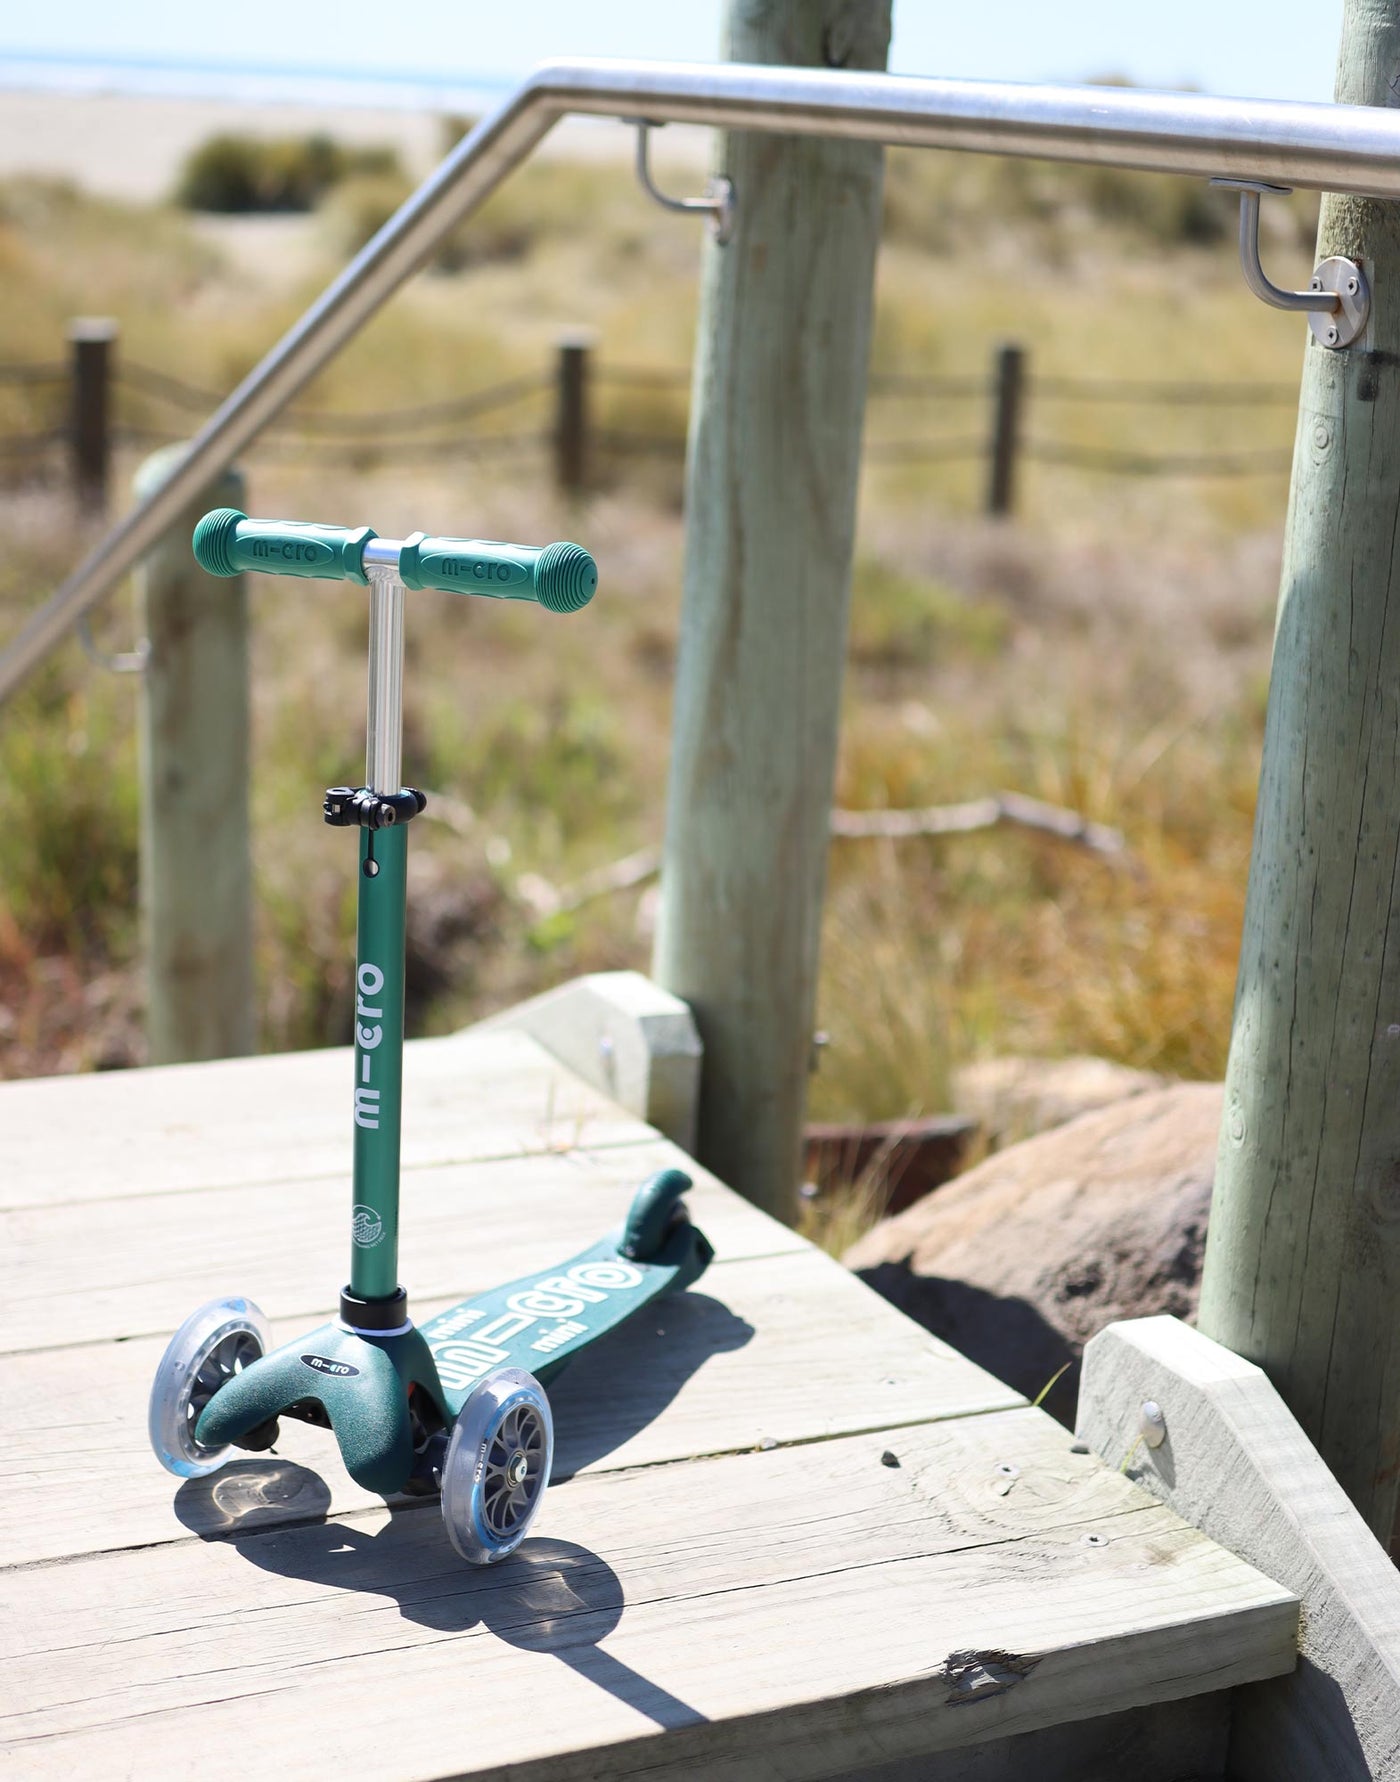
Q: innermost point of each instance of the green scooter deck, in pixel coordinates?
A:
(359, 1382)
(542, 1321)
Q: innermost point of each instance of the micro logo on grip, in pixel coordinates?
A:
(289, 550)
(474, 569)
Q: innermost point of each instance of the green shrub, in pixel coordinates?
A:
(233, 173)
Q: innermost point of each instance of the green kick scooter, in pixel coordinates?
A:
(457, 1405)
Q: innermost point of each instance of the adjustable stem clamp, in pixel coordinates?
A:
(357, 807)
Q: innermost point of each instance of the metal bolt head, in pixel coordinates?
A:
(1332, 335)
(1353, 286)
(1152, 1425)
(517, 1467)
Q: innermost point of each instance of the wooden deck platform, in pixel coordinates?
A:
(791, 1534)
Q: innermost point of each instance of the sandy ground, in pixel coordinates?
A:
(130, 145)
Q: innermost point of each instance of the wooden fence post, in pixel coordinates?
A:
(90, 343)
(571, 413)
(196, 857)
(1302, 1268)
(779, 396)
(1008, 384)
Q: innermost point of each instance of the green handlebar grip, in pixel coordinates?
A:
(562, 577)
(226, 542)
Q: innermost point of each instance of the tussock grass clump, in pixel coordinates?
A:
(939, 951)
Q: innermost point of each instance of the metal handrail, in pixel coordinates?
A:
(1333, 147)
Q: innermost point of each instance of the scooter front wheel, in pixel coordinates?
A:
(497, 1466)
(210, 1347)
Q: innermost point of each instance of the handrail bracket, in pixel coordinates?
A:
(1338, 299)
(718, 200)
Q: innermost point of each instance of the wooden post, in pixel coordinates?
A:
(571, 414)
(196, 859)
(1008, 383)
(1302, 1268)
(774, 457)
(90, 343)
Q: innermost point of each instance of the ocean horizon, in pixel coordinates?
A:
(253, 83)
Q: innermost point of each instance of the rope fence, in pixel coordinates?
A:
(102, 403)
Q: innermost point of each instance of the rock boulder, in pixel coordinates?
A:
(1020, 1261)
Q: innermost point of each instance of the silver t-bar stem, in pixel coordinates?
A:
(384, 737)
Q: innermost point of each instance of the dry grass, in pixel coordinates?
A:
(1108, 651)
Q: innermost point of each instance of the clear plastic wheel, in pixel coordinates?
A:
(497, 1465)
(210, 1347)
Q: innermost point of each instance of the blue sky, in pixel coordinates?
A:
(1281, 49)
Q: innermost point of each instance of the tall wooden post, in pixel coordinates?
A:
(1008, 383)
(90, 348)
(196, 858)
(774, 456)
(571, 413)
(1302, 1269)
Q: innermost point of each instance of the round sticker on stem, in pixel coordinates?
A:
(366, 1227)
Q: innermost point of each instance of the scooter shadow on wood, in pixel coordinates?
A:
(617, 1386)
(552, 1597)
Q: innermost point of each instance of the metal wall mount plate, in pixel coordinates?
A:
(1347, 323)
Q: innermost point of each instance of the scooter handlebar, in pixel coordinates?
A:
(227, 542)
(562, 576)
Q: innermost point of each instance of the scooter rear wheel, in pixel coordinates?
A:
(211, 1346)
(497, 1467)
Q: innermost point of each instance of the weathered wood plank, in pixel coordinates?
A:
(797, 1612)
(122, 1268)
(1236, 1463)
(281, 1118)
(783, 1350)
